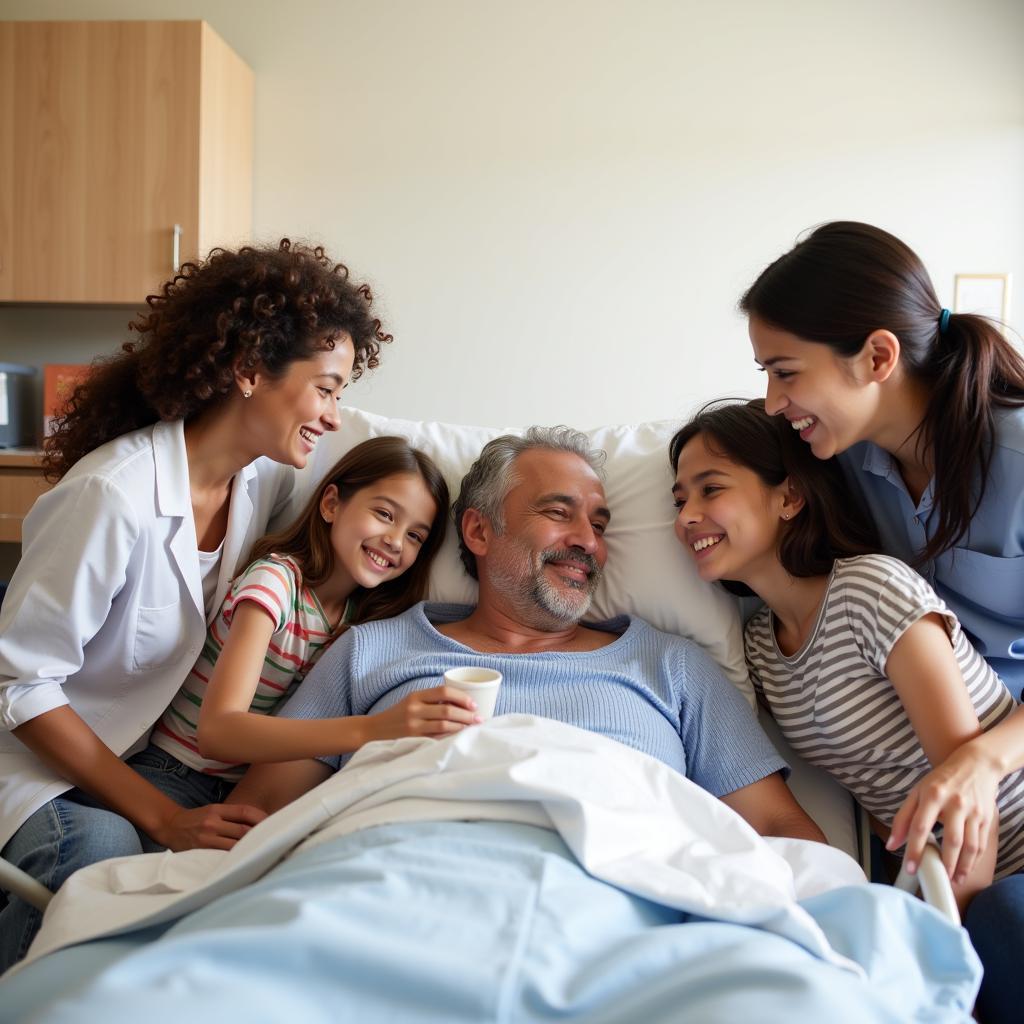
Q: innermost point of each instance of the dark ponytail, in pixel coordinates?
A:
(846, 280)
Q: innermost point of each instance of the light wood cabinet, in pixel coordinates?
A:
(112, 133)
(21, 482)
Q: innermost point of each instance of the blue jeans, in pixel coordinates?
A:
(74, 830)
(995, 923)
(184, 785)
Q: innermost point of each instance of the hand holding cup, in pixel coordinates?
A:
(482, 684)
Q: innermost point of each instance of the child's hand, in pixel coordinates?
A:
(438, 712)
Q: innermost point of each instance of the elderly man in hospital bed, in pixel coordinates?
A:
(531, 517)
(595, 852)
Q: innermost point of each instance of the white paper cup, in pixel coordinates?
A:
(482, 684)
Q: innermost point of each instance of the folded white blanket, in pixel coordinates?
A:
(629, 819)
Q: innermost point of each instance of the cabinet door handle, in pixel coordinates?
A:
(176, 248)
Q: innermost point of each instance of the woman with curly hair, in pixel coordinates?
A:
(171, 458)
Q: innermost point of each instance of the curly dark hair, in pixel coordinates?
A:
(255, 307)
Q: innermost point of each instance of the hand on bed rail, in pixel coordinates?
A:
(932, 880)
(961, 793)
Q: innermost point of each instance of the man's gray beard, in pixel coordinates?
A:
(540, 603)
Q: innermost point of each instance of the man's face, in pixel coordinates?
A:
(547, 562)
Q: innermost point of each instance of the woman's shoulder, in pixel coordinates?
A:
(276, 565)
(876, 581)
(122, 461)
(875, 571)
(113, 482)
(875, 563)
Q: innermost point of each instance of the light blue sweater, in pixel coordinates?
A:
(652, 691)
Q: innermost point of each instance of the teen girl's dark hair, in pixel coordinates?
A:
(260, 307)
(846, 280)
(308, 539)
(832, 524)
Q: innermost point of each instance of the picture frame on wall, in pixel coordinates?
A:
(985, 294)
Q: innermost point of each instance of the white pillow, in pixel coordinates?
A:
(648, 573)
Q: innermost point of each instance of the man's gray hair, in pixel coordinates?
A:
(485, 487)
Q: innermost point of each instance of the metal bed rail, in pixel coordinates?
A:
(931, 879)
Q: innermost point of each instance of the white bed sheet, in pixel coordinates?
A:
(629, 819)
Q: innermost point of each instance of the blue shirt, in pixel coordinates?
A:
(658, 693)
(982, 578)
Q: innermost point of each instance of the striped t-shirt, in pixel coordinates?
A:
(836, 707)
(301, 633)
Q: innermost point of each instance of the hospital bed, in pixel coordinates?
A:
(914, 960)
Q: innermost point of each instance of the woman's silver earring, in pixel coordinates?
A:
(247, 393)
(785, 515)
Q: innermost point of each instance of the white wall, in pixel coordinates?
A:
(558, 202)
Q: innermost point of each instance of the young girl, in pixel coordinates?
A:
(361, 550)
(863, 666)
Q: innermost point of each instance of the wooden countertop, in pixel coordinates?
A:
(21, 458)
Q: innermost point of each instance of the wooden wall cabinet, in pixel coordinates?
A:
(112, 133)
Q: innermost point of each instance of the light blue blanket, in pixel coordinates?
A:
(474, 922)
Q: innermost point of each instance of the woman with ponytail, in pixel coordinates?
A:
(170, 460)
(925, 410)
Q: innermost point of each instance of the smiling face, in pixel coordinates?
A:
(377, 533)
(547, 561)
(727, 517)
(826, 398)
(285, 418)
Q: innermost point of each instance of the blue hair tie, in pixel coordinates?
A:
(944, 320)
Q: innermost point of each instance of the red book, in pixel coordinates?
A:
(59, 380)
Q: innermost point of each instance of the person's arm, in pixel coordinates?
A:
(228, 731)
(771, 810)
(79, 540)
(252, 738)
(970, 776)
(729, 754)
(271, 786)
(62, 741)
(924, 673)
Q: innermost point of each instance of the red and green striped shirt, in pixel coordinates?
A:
(301, 634)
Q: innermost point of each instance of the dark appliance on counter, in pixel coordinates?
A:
(17, 405)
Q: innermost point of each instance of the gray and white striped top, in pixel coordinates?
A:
(838, 710)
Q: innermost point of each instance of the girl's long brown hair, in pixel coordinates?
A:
(262, 307)
(308, 539)
(832, 524)
(846, 280)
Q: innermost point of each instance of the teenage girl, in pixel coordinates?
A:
(361, 550)
(172, 457)
(863, 666)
